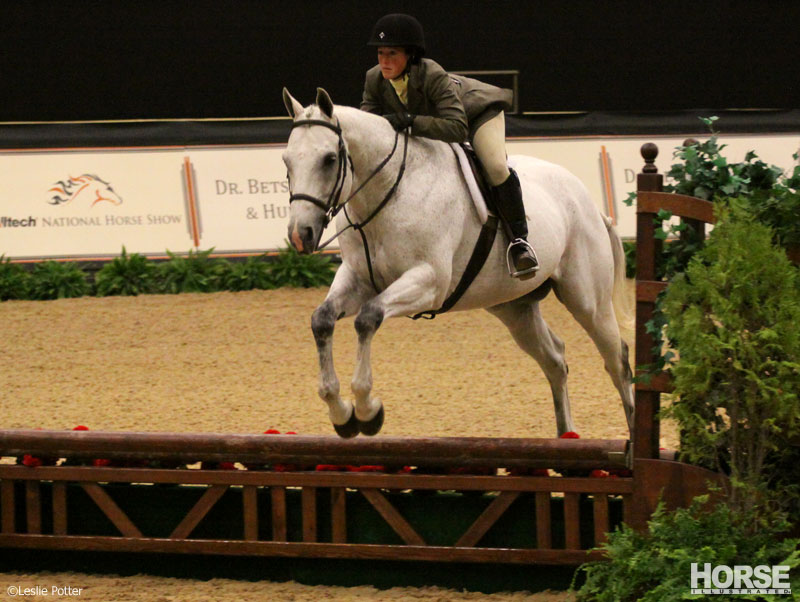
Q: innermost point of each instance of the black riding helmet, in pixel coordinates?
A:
(399, 30)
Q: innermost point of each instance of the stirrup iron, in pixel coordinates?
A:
(512, 269)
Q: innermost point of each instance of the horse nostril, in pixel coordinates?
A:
(308, 238)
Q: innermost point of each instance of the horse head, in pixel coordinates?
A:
(317, 168)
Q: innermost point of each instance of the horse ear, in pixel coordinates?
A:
(293, 107)
(324, 102)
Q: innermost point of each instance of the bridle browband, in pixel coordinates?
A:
(332, 206)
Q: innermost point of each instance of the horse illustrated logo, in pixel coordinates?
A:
(86, 188)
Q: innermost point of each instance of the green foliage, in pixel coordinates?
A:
(198, 272)
(14, 280)
(296, 270)
(656, 566)
(57, 280)
(253, 273)
(126, 275)
(770, 195)
(779, 208)
(733, 317)
(629, 246)
(705, 173)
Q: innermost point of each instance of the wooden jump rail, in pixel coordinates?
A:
(296, 511)
(466, 452)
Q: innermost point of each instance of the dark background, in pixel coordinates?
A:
(132, 59)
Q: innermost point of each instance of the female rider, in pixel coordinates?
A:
(412, 91)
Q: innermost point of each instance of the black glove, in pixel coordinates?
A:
(400, 121)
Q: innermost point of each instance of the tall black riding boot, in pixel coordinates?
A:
(520, 254)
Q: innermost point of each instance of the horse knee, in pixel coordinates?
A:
(323, 321)
(368, 320)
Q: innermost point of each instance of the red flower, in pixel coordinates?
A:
(331, 468)
(529, 472)
(598, 474)
(80, 427)
(100, 462)
(570, 435)
(31, 461)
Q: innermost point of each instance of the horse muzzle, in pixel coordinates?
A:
(303, 238)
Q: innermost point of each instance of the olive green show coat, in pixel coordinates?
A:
(447, 107)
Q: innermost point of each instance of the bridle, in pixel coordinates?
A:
(330, 206)
(333, 205)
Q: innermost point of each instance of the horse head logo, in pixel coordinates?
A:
(86, 188)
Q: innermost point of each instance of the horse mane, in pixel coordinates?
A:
(352, 117)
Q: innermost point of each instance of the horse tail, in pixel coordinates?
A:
(621, 299)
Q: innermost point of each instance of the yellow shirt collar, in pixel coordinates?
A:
(400, 86)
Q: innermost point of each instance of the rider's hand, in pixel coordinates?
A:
(400, 121)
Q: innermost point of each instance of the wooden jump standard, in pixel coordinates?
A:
(295, 511)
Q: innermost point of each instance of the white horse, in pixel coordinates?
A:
(420, 240)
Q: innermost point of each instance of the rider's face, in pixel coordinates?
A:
(393, 60)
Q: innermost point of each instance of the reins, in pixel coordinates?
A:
(332, 206)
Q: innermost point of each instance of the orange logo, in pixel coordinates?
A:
(86, 188)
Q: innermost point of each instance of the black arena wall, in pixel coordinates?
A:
(167, 59)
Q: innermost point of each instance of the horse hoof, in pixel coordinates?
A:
(349, 429)
(373, 426)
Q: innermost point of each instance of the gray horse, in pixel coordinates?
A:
(411, 203)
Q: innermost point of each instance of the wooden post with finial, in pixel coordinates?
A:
(648, 248)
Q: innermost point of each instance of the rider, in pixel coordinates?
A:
(412, 91)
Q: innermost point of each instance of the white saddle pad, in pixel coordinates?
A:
(472, 183)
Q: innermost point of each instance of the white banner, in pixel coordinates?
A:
(89, 204)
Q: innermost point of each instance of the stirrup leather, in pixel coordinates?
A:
(512, 269)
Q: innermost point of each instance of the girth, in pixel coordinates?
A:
(483, 247)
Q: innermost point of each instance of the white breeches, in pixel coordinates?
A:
(489, 143)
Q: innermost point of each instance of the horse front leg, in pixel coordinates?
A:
(410, 294)
(344, 299)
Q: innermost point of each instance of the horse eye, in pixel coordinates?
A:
(329, 159)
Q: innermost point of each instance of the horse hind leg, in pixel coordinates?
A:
(600, 322)
(526, 324)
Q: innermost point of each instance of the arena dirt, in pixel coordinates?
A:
(246, 362)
